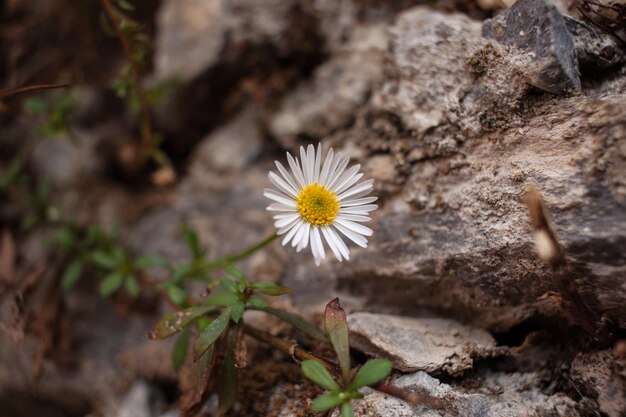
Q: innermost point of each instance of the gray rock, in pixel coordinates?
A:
(192, 35)
(136, 403)
(541, 46)
(429, 51)
(595, 50)
(520, 395)
(339, 86)
(232, 147)
(501, 395)
(189, 38)
(65, 161)
(425, 344)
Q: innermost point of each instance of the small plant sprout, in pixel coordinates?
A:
(340, 394)
(120, 268)
(318, 200)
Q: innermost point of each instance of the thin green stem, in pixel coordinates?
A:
(242, 255)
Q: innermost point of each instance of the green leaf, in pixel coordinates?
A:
(178, 320)
(192, 241)
(229, 285)
(326, 401)
(123, 4)
(336, 326)
(237, 310)
(119, 255)
(181, 271)
(71, 275)
(222, 298)
(111, 283)
(295, 320)
(132, 286)
(150, 261)
(103, 260)
(65, 237)
(257, 301)
(176, 294)
(371, 373)
(235, 272)
(227, 387)
(270, 288)
(212, 332)
(346, 410)
(179, 352)
(316, 372)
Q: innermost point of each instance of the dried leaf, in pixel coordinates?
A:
(177, 321)
(195, 383)
(7, 257)
(227, 387)
(241, 349)
(336, 326)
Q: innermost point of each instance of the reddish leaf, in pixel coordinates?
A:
(336, 326)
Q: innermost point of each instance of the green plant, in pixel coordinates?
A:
(129, 82)
(218, 321)
(121, 268)
(344, 389)
(78, 243)
(40, 209)
(55, 113)
(93, 247)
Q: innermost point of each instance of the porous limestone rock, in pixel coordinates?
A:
(420, 344)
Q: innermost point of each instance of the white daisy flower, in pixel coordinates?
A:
(318, 200)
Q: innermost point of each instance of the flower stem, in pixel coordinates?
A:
(218, 263)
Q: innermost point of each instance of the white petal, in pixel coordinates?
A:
(283, 215)
(279, 197)
(286, 175)
(292, 232)
(295, 168)
(340, 166)
(300, 235)
(353, 217)
(347, 180)
(353, 236)
(357, 202)
(359, 228)
(339, 242)
(282, 185)
(331, 243)
(287, 228)
(280, 207)
(310, 163)
(316, 243)
(358, 209)
(327, 163)
(304, 242)
(365, 186)
(280, 223)
(317, 164)
(318, 261)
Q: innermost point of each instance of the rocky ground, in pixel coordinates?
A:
(452, 111)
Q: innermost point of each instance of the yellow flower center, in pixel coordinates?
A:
(317, 205)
